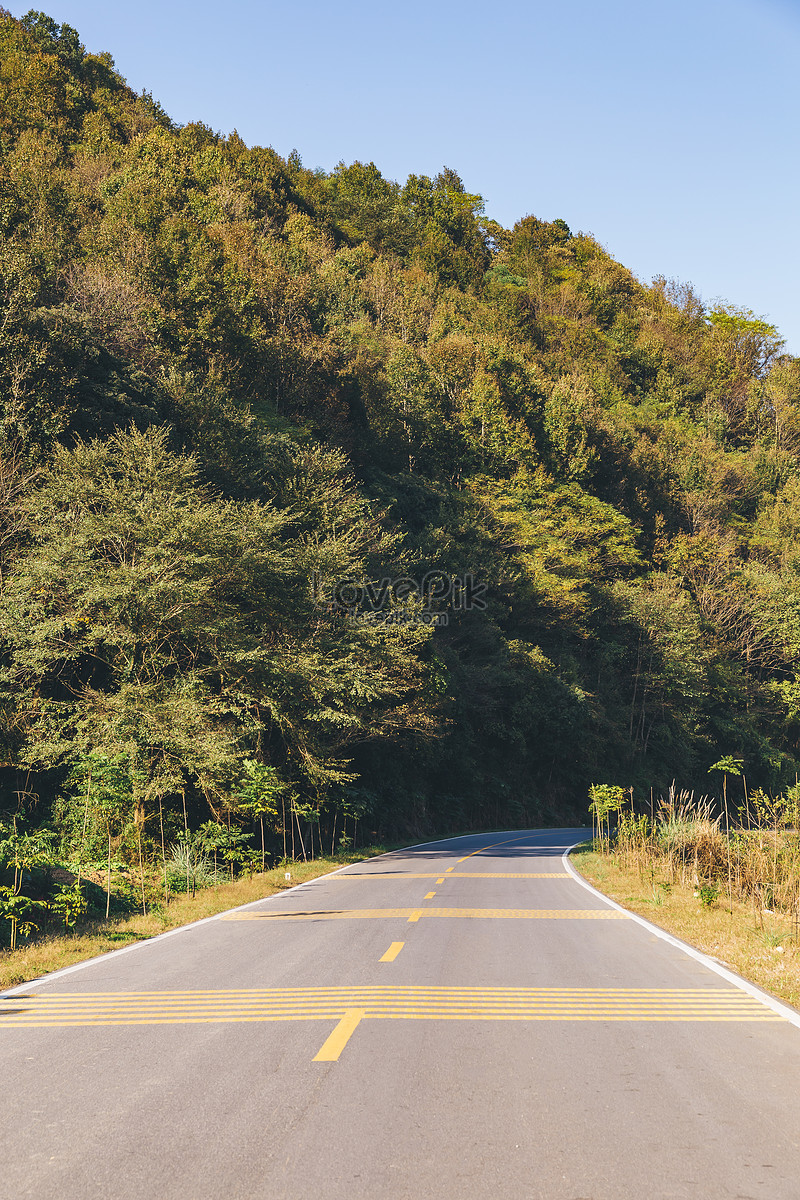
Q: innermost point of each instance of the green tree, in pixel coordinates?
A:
(22, 853)
(258, 794)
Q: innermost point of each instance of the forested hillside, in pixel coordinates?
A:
(326, 500)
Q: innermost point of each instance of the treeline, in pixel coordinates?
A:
(234, 392)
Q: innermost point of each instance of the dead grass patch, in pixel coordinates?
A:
(730, 933)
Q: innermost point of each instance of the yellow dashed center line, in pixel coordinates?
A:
(392, 953)
(430, 895)
(491, 846)
(440, 881)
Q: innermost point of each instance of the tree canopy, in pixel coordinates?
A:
(248, 409)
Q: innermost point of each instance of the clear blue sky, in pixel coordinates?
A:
(668, 131)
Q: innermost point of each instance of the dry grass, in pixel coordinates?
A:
(40, 957)
(756, 861)
(730, 933)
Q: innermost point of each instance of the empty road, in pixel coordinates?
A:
(458, 1019)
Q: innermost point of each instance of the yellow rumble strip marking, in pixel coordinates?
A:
(392, 953)
(414, 914)
(399, 877)
(349, 1005)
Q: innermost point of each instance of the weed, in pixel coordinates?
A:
(708, 893)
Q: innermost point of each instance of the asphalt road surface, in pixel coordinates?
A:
(460, 1019)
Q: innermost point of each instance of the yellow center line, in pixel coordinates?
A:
(430, 895)
(491, 846)
(392, 953)
(415, 916)
(440, 881)
(335, 1044)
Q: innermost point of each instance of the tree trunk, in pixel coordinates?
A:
(141, 872)
(186, 843)
(108, 875)
(300, 835)
(139, 813)
(85, 823)
(163, 850)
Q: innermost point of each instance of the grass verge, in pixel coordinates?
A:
(730, 933)
(41, 956)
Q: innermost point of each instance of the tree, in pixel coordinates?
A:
(258, 795)
(606, 798)
(23, 852)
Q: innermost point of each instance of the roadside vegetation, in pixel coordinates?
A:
(58, 942)
(721, 872)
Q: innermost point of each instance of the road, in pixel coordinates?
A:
(452, 1020)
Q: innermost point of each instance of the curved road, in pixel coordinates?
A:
(453, 1020)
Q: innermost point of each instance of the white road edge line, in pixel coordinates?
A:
(738, 981)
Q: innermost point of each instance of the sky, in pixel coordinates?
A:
(667, 131)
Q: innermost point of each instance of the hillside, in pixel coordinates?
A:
(234, 392)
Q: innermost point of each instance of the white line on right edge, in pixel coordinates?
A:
(777, 1006)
